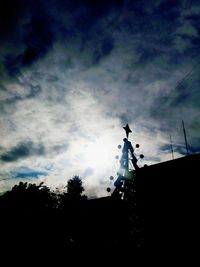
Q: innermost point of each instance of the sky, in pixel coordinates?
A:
(74, 72)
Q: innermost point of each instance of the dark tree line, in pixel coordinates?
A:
(27, 196)
(36, 219)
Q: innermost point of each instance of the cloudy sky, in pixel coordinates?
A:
(74, 72)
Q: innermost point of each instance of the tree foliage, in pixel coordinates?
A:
(75, 188)
(33, 216)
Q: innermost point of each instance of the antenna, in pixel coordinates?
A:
(171, 147)
(186, 143)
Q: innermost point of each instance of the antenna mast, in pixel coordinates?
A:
(186, 143)
(171, 147)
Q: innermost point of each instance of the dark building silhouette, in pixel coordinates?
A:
(165, 196)
(168, 194)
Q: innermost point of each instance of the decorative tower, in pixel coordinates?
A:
(128, 166)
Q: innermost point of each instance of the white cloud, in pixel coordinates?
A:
(81, 109)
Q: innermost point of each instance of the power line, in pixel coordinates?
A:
(180, 82)
(187, 75)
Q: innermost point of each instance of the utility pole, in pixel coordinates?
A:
(186, 143)
(171, 147)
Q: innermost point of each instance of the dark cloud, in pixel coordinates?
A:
(32, 174)
(195, 148)
(36, 25)
(176, 148)
(34, 91)
(164, 32)
(23, 150)
(33, 25)
(181, 98)
(102, 49)
(58, 149)
(181, 148)
(10, 12)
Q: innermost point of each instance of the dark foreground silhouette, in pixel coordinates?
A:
(36, 221)
(40, 225)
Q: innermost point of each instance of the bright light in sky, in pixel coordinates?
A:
(99, 154)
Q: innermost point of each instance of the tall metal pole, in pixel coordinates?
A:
(126, 151)
(186, 143)
(171, 147)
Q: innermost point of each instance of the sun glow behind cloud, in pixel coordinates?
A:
(77, 122)
(99, 154)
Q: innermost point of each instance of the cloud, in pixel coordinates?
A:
(158, 29)
(22, 150)
(35, 26)
(33, 174)
(176, 148)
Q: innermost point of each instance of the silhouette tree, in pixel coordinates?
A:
(30, 197)
(75, 188)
